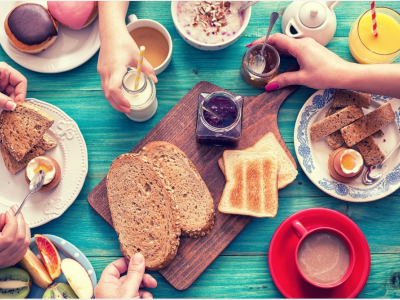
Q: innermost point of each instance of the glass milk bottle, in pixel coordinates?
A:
(143, 100)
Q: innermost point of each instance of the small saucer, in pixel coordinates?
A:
(281, 256)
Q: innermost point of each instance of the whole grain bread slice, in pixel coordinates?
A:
(335, 140)
(370, 151)
(15, 166)
(335, 122)
(343, 98)
(143, 212)
(368, 124)
(23, 128)
(194, 201)
(47, 143)
(251, 184)
(287, 173)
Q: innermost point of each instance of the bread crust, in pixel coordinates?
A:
(57, 177)
(173, 242)
(206, 228)
(30, 49)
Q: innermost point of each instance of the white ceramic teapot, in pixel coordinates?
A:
(315, 19)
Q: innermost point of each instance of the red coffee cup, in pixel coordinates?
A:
(313, 238)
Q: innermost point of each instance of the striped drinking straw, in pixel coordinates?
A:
(374, 25)
(139, 67)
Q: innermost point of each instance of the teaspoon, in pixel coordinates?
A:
(35, 185)
(368, 178)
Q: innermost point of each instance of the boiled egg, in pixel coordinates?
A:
(348, 162)
(41, 163)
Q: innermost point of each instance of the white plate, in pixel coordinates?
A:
(313, 156)
(70, 153)
(71, 49)
(66, 250)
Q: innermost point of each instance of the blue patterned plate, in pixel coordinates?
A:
(313, 156)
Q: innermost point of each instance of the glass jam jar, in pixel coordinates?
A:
(226, 127)
(272, 63)
(143, 100)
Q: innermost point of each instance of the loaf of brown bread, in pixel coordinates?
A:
(370, 151)
(23, 128)
(47, 143)
(334, 122)
(194, 201)
(343, 98)
(143, 211)
(368, 124)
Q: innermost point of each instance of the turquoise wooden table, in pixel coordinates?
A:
(241, 271)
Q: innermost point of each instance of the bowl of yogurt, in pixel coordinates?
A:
(210, 25)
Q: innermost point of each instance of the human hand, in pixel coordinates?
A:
(112, 285)
(15, 238)
(12, 87)
(117, 53)
(319, 67)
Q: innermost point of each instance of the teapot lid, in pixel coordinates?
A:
(313, 14)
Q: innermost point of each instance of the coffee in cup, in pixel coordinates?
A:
(155, 37)
(156, 44)
(324, 256)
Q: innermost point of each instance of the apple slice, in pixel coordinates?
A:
(31, 264)
(50, 256)
(78, 278)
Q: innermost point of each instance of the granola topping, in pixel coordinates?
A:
(210, 22)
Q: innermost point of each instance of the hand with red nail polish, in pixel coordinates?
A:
(15, 238)
(12, 87)
(322, 69)
(113, 285)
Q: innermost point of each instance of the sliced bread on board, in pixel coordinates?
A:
(23, 128)
(368, 124)
(251, 184)
(194, 201)
(269, 144)
(143, 211)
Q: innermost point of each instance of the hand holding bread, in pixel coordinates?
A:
(13, 87)
(113, 285)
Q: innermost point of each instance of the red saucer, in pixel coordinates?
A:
(281, 256)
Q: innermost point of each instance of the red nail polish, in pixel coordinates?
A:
(271, 86)
(249, 45)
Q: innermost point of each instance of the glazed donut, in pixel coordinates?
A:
(31, 28)
(73, 14)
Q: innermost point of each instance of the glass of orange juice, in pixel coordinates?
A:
(383, 48)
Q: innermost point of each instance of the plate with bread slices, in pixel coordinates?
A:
(49, 36)
(39, 136)
(339, 133)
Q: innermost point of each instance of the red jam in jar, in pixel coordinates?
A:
(227, 128)
(224, 108)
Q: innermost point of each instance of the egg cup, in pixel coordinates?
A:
(57, 177)
(335, 174)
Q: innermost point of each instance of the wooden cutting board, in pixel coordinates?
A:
(178, 127)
